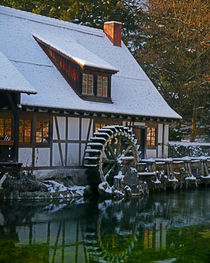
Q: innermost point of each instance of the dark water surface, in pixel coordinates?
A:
(168, 227)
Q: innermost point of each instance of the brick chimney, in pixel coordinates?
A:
(113, 31)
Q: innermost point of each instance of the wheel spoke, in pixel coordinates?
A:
(108, 168)
(106, 154)
(108, 161)
(127, 150)
(119, 146)
(111, 151)
(108, 173)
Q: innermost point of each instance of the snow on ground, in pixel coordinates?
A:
(190, 178)
(55, 187)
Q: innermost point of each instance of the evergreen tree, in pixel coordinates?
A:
(86, 12)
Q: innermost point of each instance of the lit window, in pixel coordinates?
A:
(5, 129)
(42, 131)
(102, 86)
(99, 126)
(151, 136)
(25, 131)
(87, 84)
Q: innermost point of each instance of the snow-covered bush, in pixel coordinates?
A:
(192, 149)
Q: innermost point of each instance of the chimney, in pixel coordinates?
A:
(113, 31)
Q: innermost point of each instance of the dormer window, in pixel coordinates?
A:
(87, 84)
(87, 74)
(102, 86)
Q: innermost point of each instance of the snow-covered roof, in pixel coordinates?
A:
(75, 51)
(132, 91)
(11, 79)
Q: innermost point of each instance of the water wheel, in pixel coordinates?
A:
(110, 148)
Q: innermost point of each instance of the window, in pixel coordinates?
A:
(25, 131)
(5, 129)
(151, 136)
(102, 86)
(87, 84)
(42, 131)
(99, 126)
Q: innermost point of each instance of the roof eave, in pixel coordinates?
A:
(18, 91)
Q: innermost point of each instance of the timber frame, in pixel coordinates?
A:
(61, 123)
(67, 145)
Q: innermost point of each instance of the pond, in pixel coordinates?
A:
(166, 227)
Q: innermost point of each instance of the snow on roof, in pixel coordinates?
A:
(11, 79)
(131, 90)
(77, 52)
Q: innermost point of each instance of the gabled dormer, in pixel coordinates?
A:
(87, 74)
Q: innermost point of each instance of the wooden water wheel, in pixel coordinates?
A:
(108, 149)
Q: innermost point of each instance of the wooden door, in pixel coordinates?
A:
(140, 135)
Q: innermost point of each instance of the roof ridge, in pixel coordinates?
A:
(50, 21)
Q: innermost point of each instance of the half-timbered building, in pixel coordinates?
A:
(60, 82)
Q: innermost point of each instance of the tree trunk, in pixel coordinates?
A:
(194, 118)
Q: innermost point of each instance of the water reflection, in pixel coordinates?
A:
(173, 227)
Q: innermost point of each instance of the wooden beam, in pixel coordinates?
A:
(66, 143)
(88, 134)
(59, 143)
(16, 113)
(80, 137)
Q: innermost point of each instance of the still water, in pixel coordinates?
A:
(168, 227)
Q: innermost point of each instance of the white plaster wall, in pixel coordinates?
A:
(73, 154)
(82, 151)
(166, 134)
(85, 126)
(151, 153)
(61, 127)
(42, 157)
(160, 139)
(56, 160)
(73, 128)
(25, 156)
(139, 123)
(54, 130)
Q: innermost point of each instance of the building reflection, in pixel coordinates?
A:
(108, 231)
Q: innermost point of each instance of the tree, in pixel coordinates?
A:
(172, 47)
(85, 12)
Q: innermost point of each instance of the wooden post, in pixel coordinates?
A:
(14, 101)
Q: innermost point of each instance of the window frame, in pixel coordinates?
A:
(86, 87)
(106, 90)
(49, 141)
(153, 130)
(31, 132)
(6, 116)
(102, 86)
(33, 117)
